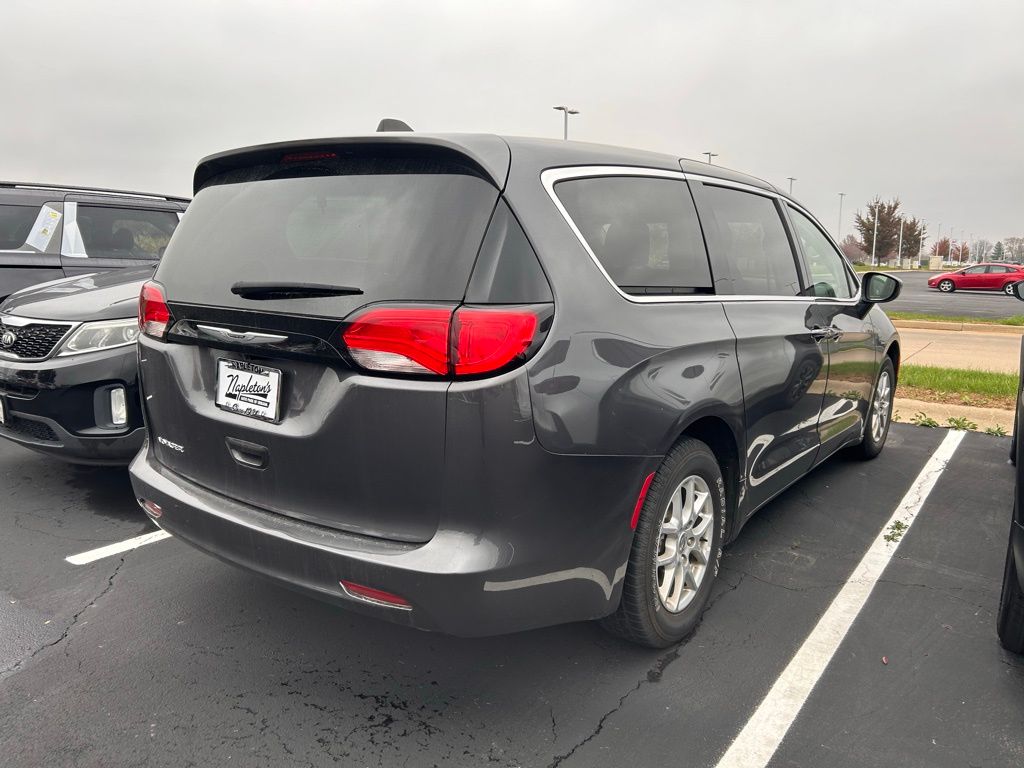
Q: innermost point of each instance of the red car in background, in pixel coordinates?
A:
(979, 277)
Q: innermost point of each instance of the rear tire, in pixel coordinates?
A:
(1010, 623)
(662, 603)
(947, 286)
(1008, 289)
(880, 407)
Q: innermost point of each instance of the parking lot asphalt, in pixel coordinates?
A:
(161, 656)
(916, 296)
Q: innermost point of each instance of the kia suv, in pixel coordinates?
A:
(77, 261)
(51, 232)
(478, 384)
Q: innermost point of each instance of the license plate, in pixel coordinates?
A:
(248, 390)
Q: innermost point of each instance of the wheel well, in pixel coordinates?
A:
(716, 434)
(893, 353)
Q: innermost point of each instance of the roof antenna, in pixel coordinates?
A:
(391, 124)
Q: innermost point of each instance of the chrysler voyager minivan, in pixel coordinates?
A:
(478, 384)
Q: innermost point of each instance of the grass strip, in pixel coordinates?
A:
(1008, 320)
(987, 389)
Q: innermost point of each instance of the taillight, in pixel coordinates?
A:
(489, 339)
(437, 341)
(399, 340)
(154, 314)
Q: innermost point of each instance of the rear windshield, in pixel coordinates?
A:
(394, 236)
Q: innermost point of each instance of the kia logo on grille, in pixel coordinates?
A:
(8, 339)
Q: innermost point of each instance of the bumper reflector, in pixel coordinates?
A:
(151, 507)
(640, 502)
(375, 596)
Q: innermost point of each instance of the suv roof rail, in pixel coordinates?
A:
(91, 191)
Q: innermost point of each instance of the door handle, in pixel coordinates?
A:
(826, 334)
(248, 454)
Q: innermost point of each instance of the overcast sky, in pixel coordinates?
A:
(924, 100)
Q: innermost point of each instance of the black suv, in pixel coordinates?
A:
(67, 341)
(478, 384)
(50, 232)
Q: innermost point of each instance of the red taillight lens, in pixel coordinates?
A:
(434, 341)
(154, 314)
(399, 340)
(489, 339)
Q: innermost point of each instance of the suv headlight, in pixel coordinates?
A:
(104, 334)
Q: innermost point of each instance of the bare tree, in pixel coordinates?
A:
(1014, 249)
(982, 248)
(852, 250)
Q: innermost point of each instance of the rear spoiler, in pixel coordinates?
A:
(487, 156)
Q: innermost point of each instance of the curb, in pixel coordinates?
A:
(941, 412)
(936, 325)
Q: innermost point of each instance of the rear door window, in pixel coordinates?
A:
(750, 239)
(643, 230)
(828, 276)
(125, 233)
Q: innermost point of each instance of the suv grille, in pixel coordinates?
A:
(33, 341)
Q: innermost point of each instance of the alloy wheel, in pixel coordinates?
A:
(946, 286)
(880, 409)
(684, 543)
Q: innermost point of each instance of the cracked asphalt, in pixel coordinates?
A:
(162, 656)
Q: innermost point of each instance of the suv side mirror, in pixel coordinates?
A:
(879, 287)
(1018, 290)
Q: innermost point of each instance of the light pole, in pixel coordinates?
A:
(899, 248)
(920, 242)
(566, 111)
(791, 180)
(874, 239)
(839, 228)
(710, 155)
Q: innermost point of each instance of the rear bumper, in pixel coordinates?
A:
(57, 406)
(463, 581)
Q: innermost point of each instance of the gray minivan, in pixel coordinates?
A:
(479, 384)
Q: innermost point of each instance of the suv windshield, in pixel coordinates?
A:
(394, 236)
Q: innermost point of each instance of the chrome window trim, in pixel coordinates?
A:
(550, 177)
(17, 321)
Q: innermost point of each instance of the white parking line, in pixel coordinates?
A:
(767, 727)
(117, 548)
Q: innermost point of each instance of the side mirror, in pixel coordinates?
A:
(1018, 290)
(878, 287)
